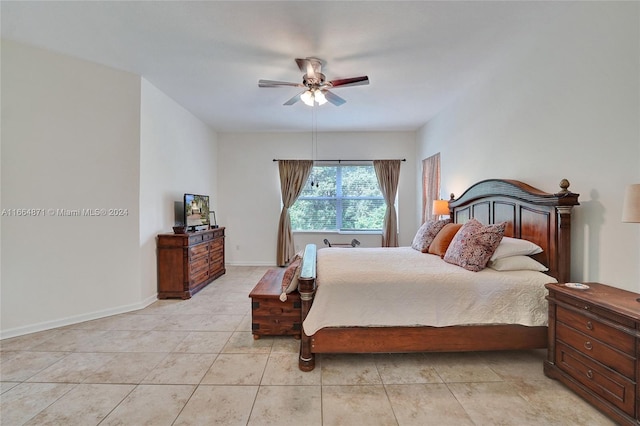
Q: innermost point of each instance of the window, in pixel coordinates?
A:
(339, 198)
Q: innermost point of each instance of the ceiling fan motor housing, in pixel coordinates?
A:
(314, 81)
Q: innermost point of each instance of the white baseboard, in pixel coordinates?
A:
(62, 322)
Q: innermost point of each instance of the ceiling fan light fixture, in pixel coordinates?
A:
(307, 97)
(319, 97)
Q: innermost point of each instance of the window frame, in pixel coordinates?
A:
(339, 198)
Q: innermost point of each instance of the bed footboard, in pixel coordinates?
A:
(307, 290)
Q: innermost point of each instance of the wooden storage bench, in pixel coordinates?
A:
(269, 315)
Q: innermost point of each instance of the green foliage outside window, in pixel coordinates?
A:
(344, 198)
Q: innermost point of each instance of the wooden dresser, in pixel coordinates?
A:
(269, 315)
(594, 347)
(188, 262)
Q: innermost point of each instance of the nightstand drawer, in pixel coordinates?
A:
(609, 385)
(599, 351)
(593, 328)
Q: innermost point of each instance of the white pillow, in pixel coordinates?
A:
(515, 247)
(517, 263)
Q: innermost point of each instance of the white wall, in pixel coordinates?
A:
(178, 156)
(568, 107)
(76, 135)
(70, 140)
(250, 200)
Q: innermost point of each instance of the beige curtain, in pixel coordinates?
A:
(388, 174)
(293, 176)
(430, 185)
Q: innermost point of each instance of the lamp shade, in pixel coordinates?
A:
(440, 207)
(631, 206)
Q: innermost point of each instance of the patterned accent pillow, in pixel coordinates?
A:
(289, 279)
(426, 233)
(474, 244)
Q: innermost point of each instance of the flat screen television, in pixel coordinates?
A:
(196, 212)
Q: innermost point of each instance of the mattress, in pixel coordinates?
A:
(400, 286)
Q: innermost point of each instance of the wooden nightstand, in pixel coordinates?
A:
(269, 315)
(594, 347)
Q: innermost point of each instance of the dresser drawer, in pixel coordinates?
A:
(609, 385)
(198, 265)
(593, 328)
(198, 251)
(598, 350)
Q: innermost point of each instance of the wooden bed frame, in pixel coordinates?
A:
(531, 214)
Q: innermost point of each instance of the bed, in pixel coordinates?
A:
(339, 310)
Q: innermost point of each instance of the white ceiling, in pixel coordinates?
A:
(209, 55)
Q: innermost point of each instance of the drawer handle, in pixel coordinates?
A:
(588, 346)
(590, 374)
(586, 307)
(589, 325)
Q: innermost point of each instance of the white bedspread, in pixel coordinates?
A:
(400, 286)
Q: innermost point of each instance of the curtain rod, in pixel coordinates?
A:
(339, 161)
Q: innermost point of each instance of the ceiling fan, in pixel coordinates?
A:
(315, 84)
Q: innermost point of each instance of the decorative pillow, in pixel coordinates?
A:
(427, 233)
(515, 247)
(517, 263)
(441, 242)
(290, 277)
(474, 244)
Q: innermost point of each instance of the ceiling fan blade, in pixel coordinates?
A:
(293, 100)
(333, 98)
(354, 81)
(272, 83)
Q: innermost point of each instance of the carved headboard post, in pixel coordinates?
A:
(564, 230)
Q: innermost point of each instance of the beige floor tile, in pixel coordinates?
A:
(70, 340)
(150, 405)
(461, 367)
(218, 405)
(426, 404)
(287, 405)
(180, 369)
(349, 369)
(553, 403)
(157, 341)
(74, 368)
(85, 404)
(243, 342)
(405, 369)
(285, 344)
(495, 403)
(126, 367)
(356, 405)
(236, 369)
(282, 369)
(199, 322)
(27, 342)
(5, 386)
(205, 342)
(19, 366)
(19, 404)
(516, 365)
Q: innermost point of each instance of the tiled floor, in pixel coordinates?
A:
(195, 362)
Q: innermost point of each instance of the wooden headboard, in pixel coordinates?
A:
(530, 214)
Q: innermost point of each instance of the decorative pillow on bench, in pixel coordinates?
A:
(290, 277)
